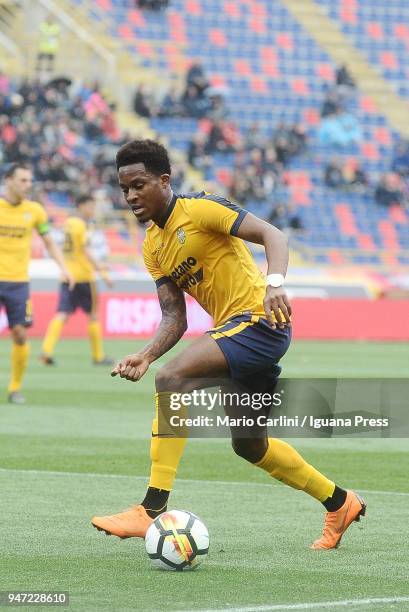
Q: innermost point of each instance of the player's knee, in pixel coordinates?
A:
(169, 379)
(19, 335)
(252, 450)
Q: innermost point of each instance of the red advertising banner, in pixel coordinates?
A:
(125, 315)
(122, 315)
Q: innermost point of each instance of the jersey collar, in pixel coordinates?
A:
(169, 211)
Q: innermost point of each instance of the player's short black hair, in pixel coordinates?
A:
(153, 155)
(12, 169)
(83, 198)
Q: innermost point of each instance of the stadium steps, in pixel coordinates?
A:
(329, 36)
(11, 57)
(129, 71)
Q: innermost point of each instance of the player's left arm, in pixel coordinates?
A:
(57, 255)
(275, 243)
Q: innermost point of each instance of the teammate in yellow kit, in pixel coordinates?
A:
(83, 268)
(195, 245)
(18, 218)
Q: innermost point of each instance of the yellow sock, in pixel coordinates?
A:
(283, 462)
(165, 452)
(95, 337)
(19, 359)
(52, 335)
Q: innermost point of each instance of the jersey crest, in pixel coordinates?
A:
(181, 234)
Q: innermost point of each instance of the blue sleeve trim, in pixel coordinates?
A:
(222, 201)
(162, 280)
(237, 223)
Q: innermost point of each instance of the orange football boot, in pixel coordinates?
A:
(132, 523)
(336, 523)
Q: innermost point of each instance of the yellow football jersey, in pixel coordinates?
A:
(197, 248)
(16, 229)
(76, 238)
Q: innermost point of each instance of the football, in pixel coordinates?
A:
(177, 540)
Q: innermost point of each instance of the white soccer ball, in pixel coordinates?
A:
(177, 540)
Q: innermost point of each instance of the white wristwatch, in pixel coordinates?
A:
(275, 280)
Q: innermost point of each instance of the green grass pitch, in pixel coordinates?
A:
(80, 446)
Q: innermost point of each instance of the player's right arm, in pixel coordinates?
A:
(101, 269)
(172, 327)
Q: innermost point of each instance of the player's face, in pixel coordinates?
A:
(145, 193)
(88, 210)
(19, 185)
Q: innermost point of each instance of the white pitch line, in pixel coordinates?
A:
(223, 483)
(342, 603)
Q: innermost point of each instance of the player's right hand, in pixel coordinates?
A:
(68, 278)
(132, 367)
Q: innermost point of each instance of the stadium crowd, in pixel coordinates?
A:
(68, 137)
(259, 161)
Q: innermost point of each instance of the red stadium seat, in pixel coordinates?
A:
(311, 116)
(178, 36)
(193, 7)
(348, 13)
(232, 9)
(346, 220)
(297, 178)
(258, 9)
(367, 104)
(369, 150)
(389, 60)
(106, 5)
(383, 136)
(402, 31)
(258, 84)
(325, 71)
(217, 37)
(177, 27)
(268, 54)
(224, 176)
(269, 61)
(398, 215)
(389, 236)
(300, 86)
(285, 41)
(366, 242)
(335, 256)
(242, 67)
(375, 30)
(145, 49)
(389, 259)
(270, 69)
(257, 25)
(125, 31)
(136, 18)
(300, 197)
(217, 80)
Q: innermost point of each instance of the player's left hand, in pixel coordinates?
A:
(276, 301)
(132, 367)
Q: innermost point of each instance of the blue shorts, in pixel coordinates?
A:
(15, 297)
(83, 296)
(252, 350)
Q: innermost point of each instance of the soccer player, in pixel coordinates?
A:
(83, 268)
(18, 217)
(195, 244)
